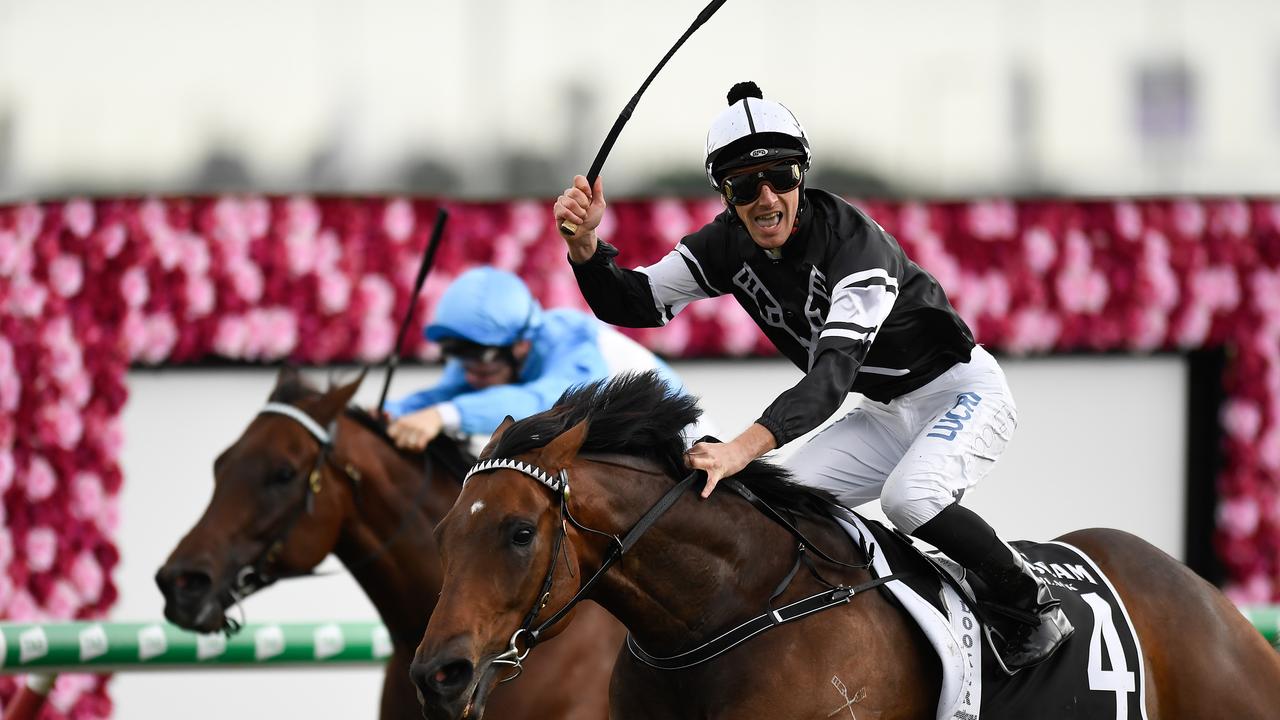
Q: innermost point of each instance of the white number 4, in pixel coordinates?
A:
(1118, 679)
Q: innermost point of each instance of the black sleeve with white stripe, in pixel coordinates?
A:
(860, 303)
(806, 404)
(663, 288)
(677, 280)
(616, 295)
(868, 270)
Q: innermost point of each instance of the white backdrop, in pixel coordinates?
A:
(1101, 442)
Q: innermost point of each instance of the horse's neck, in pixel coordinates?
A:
(704, 567)
(387, 541)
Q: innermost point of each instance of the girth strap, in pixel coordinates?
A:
(815, 603)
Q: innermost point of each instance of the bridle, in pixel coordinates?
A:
(257, 574)
(558, 483)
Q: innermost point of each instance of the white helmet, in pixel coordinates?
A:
(750, 131)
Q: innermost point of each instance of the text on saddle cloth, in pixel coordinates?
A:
(1098, 673)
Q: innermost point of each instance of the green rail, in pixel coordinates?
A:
(115, 646)
(51, 648)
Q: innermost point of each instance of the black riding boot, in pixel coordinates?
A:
(1041, 626)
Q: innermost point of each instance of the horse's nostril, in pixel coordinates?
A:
(193, 583)
(443, 680)
(184, 584)
(452, 674)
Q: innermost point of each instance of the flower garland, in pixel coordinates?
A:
(88, 288)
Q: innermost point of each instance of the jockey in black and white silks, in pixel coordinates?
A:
(839, 298)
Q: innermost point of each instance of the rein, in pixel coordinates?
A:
(833, 596)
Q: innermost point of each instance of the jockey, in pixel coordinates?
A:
(839, 298)
(508, 356)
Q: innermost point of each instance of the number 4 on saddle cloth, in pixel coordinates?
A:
(1098, 673)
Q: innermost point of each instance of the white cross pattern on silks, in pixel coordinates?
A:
(844, 693)
(772, 312)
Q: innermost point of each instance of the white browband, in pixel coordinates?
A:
(558, 483)
(303, 419)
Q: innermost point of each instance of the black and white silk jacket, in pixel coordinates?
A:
(842, 301)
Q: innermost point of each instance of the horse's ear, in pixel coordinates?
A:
(561, 451)
(288, 375)
(492, 445)
(339, 397)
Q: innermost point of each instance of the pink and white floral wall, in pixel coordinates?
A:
(89, 288)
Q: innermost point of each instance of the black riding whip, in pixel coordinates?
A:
(437, 233)
(568, 228)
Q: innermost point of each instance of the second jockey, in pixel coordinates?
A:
(506, 355)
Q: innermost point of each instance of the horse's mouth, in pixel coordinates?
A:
(208, 616)
(481, 687)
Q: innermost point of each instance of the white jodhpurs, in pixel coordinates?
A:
(920, 452)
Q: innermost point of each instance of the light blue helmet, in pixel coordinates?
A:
(485, 306)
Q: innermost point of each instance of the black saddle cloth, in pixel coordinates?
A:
(1097, 673)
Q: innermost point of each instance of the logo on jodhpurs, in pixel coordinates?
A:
(953, 422)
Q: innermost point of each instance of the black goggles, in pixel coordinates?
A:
(468, 351)
(745, 188)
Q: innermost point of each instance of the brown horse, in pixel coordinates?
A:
(374, 507)
(518, 543)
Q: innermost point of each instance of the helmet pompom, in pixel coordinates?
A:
(742, 90)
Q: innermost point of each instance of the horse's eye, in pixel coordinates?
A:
(282, 475)
(522, 536)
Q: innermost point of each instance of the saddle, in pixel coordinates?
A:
(1098, 673)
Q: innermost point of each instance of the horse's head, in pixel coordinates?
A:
(279, 500)
(532, 518)
(498, 544)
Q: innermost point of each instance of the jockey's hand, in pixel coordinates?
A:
(583, 206)
(415, 430)
(720, 460)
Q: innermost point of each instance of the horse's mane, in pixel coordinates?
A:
(452, 455)
(639, 415)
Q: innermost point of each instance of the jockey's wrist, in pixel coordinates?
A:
(581, 251)
(756, 440)
(774, 429)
